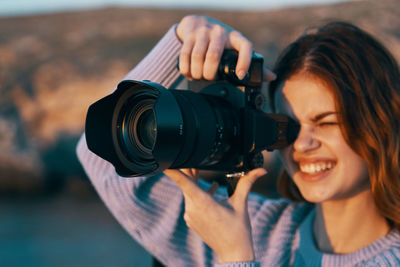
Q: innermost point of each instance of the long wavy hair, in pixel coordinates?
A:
(365, 80)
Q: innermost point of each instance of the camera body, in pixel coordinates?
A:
(143, 128)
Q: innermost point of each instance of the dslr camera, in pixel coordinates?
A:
(142, 128)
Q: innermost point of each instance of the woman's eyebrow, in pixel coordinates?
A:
(323, 115)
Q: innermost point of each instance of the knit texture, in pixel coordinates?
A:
(151, 208)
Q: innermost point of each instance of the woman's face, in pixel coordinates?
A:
(320, 162)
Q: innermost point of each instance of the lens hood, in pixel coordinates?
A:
(108, 123)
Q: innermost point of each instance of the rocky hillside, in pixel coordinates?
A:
(53, 66)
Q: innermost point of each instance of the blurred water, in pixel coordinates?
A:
(64, 231)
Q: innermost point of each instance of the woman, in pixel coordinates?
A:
(342, 170)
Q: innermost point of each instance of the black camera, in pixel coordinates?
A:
(143, 128)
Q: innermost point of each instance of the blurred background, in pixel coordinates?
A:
(57, 57)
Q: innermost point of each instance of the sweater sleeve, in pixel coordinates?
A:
(150, 208)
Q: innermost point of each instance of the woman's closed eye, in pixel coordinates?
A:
(328, 123)
(326, 119)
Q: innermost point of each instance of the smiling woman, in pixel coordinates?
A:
(348, 158)
(343, 88)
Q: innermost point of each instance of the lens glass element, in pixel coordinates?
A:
(141, 127)
(146, 129)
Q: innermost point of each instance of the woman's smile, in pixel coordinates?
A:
(313, 170)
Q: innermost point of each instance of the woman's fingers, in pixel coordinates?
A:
(215, 222)
(187, 185)
(185, 55)
(204, 40)
(191, 173)
(239, 198)
(199, 53)
(268, 75)
(213, 188)
(245, 51)
(186, 179)
(214, 52)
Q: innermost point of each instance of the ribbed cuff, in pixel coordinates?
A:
(239, 264)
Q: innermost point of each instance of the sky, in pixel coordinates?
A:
(25, 7)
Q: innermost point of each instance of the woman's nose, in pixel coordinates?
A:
(306, 140)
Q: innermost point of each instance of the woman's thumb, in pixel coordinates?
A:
(245, 183)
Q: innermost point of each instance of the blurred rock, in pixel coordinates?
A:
(53, 66)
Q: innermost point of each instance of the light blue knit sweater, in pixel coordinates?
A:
(151, 208)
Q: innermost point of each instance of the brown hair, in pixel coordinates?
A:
(365, 80)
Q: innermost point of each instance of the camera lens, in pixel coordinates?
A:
(144, 128)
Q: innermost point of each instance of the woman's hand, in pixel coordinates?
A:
(225, 227)
(204, 40)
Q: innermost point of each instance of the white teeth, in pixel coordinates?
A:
(316, 167)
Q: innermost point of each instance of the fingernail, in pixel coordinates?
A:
(240, 74)
(261, 171)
